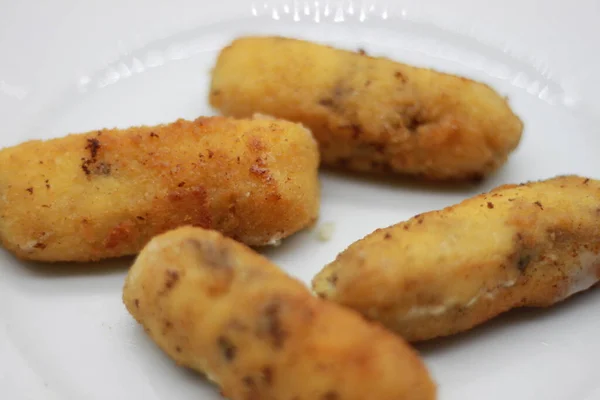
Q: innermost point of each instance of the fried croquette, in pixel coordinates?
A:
(444, 272)
(369, 114)
(106, 193)
(216, 306)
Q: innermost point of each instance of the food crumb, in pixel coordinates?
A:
(325, 231)
(275, 242)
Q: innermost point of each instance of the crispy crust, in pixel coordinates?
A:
(367, 113)
(106, 193)
(446, 271)
(216, 306)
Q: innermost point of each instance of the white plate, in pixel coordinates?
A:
(72, 66)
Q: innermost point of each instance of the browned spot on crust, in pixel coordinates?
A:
(236, 325)
(340, 90)
(415, 121)
(102, 169)
(257, 170)
(331, 395)
(267, 374)
(211, 154)
(171, 279)
(40, 246)
(251, 388)
(362, 52)
(560, 235)
(90, 165)
(326, 102)
(118, 235)
(154, 135)
(85, 166)
(256, 144)
(273, 325)
(248, 381)
(260, 162)
(490, 205)
(30, 190)
(261, 172)
(273, 197)
(523, 262)
(356, 131)
(178, 349)
(519, 237)
(218, 259)
(93, 145)
(136, 302)
(387, 235)
(227, 348)
(192, 201)
(335, 100)
(399, 75)
(537, 203)
(332, 279)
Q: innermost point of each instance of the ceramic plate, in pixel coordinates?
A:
(75, 66)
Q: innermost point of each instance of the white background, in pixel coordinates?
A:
(69, 66)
